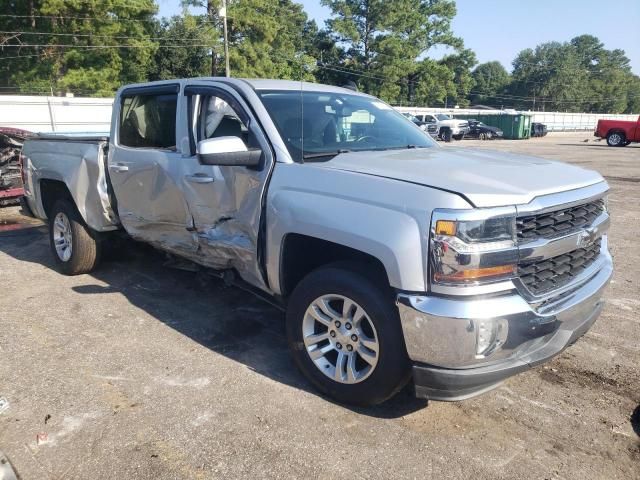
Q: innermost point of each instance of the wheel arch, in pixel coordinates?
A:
(51, 191)
(301, 254)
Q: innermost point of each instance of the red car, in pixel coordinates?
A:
(11, 140)
(619, 133)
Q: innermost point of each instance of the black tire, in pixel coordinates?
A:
(616, 139)
(392, 370)
(458, 137)
(85, 248)
(446, 135)
(482, 136)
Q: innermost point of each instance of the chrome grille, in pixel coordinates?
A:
(546, 275)
(559, 222)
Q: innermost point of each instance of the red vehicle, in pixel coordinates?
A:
(619, 133)
(11, 140)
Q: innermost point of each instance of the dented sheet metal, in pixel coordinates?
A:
(224, 213)
(80, 163)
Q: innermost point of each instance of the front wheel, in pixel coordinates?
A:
(616, 139)
(74, 246)
(344, 334)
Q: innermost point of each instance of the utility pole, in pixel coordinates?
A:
(214, 56)
(223, 14)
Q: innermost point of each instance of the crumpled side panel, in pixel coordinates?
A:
(81, 166)
(227, 219)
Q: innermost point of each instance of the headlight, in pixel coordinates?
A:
(473, 251)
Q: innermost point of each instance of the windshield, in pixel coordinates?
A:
(442, 116)
(320, 125)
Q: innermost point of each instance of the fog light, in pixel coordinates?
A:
(491, 334)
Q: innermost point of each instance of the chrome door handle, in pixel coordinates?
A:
(118, 168)
(199, 178)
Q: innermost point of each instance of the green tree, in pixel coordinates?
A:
(83, 46)
(266, 38)
(386, 40)
(461, 82)
(491, 79)
(580, 75)
(330, 57)
(194, 61)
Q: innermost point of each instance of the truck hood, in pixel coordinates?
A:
(485, 178)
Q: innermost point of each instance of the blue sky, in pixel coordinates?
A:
(499, 29)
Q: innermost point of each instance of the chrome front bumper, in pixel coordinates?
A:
(441, 334)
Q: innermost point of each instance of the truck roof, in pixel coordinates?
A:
(258, 84)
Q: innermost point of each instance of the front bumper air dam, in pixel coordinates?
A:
(442, 348)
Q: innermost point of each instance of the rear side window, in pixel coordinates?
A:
(148, 121)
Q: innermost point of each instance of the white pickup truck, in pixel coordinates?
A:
(394, 259)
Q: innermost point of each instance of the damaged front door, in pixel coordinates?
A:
(225, 201)
(145, 170)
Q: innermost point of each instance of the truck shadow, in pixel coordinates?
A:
(226, 320)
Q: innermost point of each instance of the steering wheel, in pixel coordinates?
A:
(366, 138)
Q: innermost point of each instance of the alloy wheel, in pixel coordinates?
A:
(62, 237)
(340, 339)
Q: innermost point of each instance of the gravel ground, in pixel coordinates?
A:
(144, 371)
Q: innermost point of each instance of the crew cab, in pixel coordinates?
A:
(619, 133)
(394, 259)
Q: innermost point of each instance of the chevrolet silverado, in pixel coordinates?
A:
(395, 259)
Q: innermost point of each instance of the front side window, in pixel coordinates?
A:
(219, 119)
(319, 125)
(148, 121)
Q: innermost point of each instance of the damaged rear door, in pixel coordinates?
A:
(226, 201)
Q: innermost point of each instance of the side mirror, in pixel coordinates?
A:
(227, 151)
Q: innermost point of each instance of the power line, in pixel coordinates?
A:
(106, 18)
(49, 45)
(91, 35)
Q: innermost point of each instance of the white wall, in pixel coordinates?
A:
(57, 114)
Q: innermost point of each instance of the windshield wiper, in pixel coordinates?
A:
(403, 147)
(308, 156)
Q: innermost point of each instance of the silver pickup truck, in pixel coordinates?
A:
(395, 259)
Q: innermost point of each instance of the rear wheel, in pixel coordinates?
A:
(344, 334)
(482, 136)
(616, 139)
(74, 246)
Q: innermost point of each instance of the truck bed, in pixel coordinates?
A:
(80, 163)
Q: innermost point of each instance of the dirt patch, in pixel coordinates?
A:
(623, 179)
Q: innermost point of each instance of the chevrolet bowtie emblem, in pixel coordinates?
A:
(587, 237)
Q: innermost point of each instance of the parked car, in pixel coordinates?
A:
(11, 140)
(619, 133)
(538, 129)
(483, 132)
(393, 258)
(448, 127)
(431, 128)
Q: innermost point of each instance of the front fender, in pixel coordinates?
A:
(387, 219)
